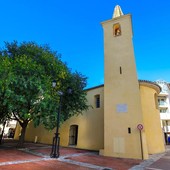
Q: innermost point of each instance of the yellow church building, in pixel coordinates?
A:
(124, 120)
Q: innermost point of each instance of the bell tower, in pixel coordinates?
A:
(122, 105)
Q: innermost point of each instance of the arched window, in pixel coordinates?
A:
(73, 135)
(116, 29)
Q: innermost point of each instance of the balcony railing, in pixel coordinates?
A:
(165, 116)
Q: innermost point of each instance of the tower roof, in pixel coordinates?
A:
(117, 11)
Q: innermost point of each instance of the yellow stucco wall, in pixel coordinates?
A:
(90, 126)
(43, 135)
(122, 105)
(151, 116)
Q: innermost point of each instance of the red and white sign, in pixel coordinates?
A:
(140, 126)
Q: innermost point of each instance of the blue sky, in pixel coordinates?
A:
(73, 29)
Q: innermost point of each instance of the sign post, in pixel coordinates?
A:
(140, 128)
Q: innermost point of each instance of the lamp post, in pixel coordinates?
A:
(56, 139)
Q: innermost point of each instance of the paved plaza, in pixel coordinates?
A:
(36, 157)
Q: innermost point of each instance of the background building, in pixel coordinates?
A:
(9, 129)
(164, 106)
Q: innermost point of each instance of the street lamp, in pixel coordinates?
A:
(56, 139)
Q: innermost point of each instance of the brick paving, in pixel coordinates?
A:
(63, 150)
(36, 157)
(113, 163)
(13, 154)
(162, 163)
(43, 165)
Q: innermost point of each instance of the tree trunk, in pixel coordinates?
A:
(1, 135)
(22, 135)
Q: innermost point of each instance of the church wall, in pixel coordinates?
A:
(38, 134)
(90, 126)
(151, 116)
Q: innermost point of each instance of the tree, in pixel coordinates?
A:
(4, 80)
(30, 96)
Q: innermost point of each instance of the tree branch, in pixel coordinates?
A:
(16, 118)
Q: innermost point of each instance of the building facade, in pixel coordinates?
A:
(9, 128)
(124, 119)
(164, 107)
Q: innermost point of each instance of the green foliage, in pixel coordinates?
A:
(26, 75)
(4, 81)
